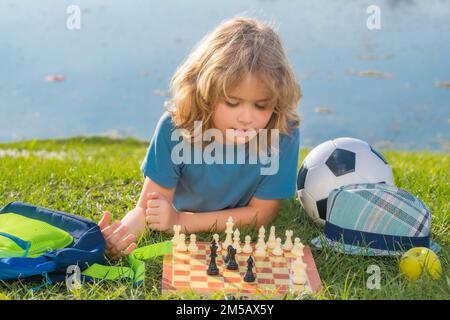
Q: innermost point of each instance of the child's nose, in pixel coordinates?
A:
(246, 116)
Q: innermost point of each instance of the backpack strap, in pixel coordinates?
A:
(136, 261)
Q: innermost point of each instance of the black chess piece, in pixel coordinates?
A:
(213, 247)
(227, 257)
(249, 275)
(232, 264)
(213, 270)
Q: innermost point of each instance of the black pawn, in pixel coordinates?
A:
(212, 268)
(249, 275)
(232, 264)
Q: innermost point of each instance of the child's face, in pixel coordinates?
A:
(246, 108)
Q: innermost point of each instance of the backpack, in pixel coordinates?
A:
(36, 242)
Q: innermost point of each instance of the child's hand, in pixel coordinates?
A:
(160, 214)
(118, 243)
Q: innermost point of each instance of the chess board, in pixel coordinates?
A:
(183, 271)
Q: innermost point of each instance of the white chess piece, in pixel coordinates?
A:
(237, 240)
(288, 243)
(229, 234)
(260, 251)
(176, 234)
(299, 270)
(278, 251)
(192, 244)
(272, 238)
(181, 245)
(216, 238)
(247, 247)
(297, 249)
(261, 242)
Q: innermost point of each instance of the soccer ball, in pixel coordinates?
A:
(336, 163)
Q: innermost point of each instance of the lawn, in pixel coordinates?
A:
(86, 176)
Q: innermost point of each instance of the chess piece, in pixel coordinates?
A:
(176, 234)
(181, 244)
(227, 257)
(260, 251)
(272, 238)
(277, 251)
(236, 241)
(212, 268)
(192, 243)
(229, 233)
(249, 275)
(232, 263)
(216, 239)
(287, 246)
(297, 250)
(247, 247)
(261, 242)
(299, 272)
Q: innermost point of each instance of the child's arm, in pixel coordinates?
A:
(162, 216)
(135, 220)
(120, 236)
(258, 212)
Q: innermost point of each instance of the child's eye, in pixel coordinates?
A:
(261, 107)
(231, 104)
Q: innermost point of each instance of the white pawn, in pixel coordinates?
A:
(181, 245)
(261, 242)
(260, 251)
(176, 234)
(247, 247)
(277, 251)
(272, 238)
(288, 243)
(216, 239)
(237, 240)
(297, 250)
(299, 270)
(192, 244)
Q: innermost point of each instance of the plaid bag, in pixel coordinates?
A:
(375, 219)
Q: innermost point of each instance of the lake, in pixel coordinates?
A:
(388, 86)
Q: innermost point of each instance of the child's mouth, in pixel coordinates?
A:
(243, 132)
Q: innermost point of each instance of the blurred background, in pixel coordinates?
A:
(389, 87)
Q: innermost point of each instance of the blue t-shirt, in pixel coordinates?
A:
(217, 186)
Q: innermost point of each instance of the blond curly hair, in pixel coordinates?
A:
(236, 47)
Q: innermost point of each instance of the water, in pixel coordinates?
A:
(123, 57)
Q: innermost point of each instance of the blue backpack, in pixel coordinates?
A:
(38, 243)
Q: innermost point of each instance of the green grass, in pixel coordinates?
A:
(98, 174)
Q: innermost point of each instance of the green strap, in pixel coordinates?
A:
(136, 260)
(99, 271)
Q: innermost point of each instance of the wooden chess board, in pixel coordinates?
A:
(183, 271)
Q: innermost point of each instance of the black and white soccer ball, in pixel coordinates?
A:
(336, 163)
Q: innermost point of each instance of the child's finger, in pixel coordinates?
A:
(152, 195)
(130, 249)
(125, 242)
(110, 229)
(155, 226)
(152, 212)
(104, 221)
(118, 234)
(152, 219)
(154, 203)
